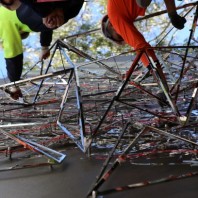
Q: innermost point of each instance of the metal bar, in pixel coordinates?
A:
(172, 135)
(119, 91)
(46, 71)
(115, 164)
(192, 103)
(177, 84)
(83, 54)
(110, 155)
(147, 183)
(73, 76)
(59, 157)
(139, 19)
(35, 78)
(121, 158)
(161, 80)
(55, 155)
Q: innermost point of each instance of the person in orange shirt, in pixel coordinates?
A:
(118, 24)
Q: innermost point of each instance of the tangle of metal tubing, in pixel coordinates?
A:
(58, 157)
(121, 158)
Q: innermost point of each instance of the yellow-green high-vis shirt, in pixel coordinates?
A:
(10, 32)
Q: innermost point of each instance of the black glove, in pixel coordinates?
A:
(177, 20)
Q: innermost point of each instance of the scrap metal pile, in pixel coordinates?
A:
(105, 108)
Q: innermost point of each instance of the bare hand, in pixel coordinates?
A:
(45, 53)
(54, 19)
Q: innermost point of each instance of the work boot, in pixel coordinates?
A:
(14, 92)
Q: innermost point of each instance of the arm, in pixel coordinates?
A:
(29, 17)
(175, 19)
(122, 15)
(45, 40)
(133, 37)
(170, 5)
(55, 19)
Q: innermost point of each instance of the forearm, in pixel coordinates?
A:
(135, 39)
(46, 38)
(170, 5)
(176, 20)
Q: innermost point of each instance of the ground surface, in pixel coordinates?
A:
(75, 176)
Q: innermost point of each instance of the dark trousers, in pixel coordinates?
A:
(14, 67)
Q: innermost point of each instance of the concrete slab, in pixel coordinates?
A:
(75, 176)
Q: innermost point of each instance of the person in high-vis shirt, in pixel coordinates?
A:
(12, 31)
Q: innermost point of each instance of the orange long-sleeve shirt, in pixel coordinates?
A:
(122, 14)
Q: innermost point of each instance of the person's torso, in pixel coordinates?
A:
(128, 9)
(29, 17)
(70, 7)
(10, 32)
